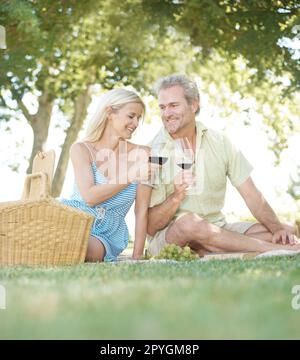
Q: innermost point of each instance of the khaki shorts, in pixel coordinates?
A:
(156, 244)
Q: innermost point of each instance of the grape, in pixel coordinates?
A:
(175, 252)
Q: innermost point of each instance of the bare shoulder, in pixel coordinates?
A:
(78, 151)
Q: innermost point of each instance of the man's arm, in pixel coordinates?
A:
(160, 215)
(263, 212)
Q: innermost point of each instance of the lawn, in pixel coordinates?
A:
(217, 299)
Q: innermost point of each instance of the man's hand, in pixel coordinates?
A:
(180, 192)
(160, 215)
(284, 236)
(181, 183)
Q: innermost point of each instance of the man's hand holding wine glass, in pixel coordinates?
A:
(184, 157)
(182, 183)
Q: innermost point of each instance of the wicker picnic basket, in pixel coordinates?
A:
(39, 230)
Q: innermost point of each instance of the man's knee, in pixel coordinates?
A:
(194, 227)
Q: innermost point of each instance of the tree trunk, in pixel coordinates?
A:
(40, 125)
(81, 105)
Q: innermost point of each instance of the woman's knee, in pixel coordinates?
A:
(93, 257)
(95, 251)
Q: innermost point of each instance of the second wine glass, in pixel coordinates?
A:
(184, 155)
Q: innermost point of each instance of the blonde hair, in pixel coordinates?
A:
(114, 99)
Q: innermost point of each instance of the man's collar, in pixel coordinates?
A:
(200, 127)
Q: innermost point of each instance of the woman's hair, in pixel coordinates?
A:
(114, 99)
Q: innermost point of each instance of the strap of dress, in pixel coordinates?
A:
(89, 149)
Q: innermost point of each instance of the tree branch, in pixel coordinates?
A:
(23, 108)
(6, 105)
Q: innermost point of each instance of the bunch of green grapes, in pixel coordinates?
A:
(175, 252)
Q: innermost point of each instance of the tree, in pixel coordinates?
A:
(259, 31)
(245, 48)
(234, 92)
(34, 30)
(294, 186)
(58, 50)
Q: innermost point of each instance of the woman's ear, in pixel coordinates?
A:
(109, 111)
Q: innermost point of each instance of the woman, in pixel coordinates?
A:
(105, 183)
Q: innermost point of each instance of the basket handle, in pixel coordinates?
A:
(44, 162)
(31, 192)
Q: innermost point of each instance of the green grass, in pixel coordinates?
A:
(217, 299)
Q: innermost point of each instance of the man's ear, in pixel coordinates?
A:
(195, 105)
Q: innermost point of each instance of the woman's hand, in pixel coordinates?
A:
(141, 170)
(136, 256)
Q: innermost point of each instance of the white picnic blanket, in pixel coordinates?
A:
(278, 253)
(213, 256)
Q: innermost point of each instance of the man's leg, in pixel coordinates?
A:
(198, 233)
(259, 231)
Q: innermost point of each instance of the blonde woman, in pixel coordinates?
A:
(105, 183)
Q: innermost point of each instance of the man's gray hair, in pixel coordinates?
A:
(191, 92)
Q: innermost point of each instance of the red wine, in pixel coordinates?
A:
(185, 166)
(161, 160)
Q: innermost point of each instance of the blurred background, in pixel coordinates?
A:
(58, 56)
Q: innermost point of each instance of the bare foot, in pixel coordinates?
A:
(295, 247)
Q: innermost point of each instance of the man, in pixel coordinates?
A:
(196, 220)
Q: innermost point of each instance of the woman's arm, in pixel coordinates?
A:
(92, 194)
(142, 202)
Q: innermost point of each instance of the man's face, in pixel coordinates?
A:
(176, 112)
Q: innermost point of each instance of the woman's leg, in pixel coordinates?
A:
(95, 251)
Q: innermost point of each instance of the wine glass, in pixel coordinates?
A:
(158, 157)
(158, 154)
(184, 155)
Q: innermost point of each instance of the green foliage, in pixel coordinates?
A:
(62, 48)
(231, 87)
(59, 48)
(294, 186)
(34, 31)
(254, 30)
(245, 49)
